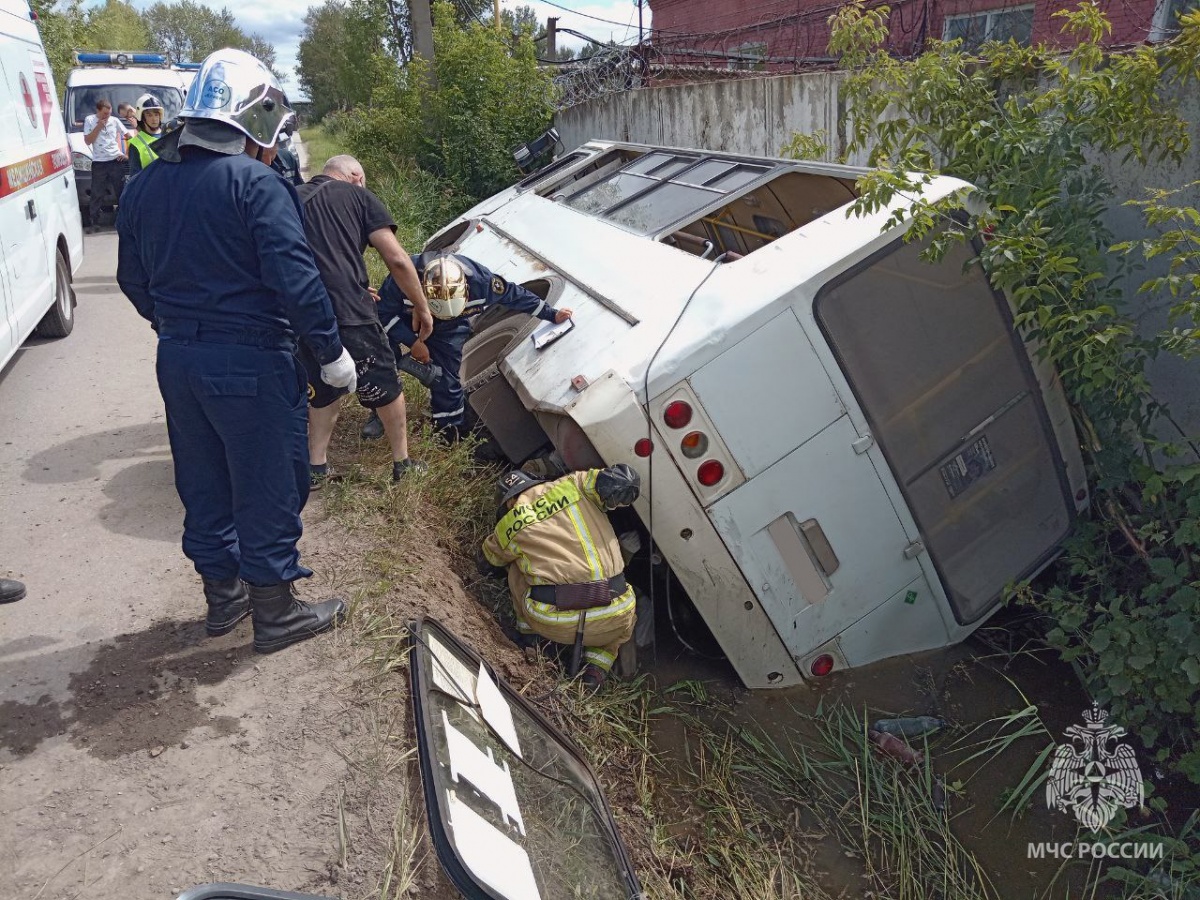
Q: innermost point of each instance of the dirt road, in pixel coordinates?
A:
(137, 756)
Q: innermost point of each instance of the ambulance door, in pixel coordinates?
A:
(24, 162)
(812, 528)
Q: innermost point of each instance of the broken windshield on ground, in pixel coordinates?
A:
(514, 810)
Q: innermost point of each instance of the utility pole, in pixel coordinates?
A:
(552, 37)
(641, 38)
(422, 27)
(496, 4)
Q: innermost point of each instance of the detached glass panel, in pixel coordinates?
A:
(931, 355)
(514, 810)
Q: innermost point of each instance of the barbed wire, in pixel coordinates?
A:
(610, 70)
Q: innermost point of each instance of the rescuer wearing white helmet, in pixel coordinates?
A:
(149, 114)
(212, 253)
(457, 288)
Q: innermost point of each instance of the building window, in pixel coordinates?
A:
(748, 56)
(1166, 17)
(996, 25)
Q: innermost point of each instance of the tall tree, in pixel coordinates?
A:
(115, 26)
(461, 120)
(189, 31)
(522, 20)
(335, 56)
(62, 28)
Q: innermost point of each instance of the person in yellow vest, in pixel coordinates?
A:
(565, 569)
(149, 111)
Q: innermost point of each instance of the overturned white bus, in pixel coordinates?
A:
(846, 452)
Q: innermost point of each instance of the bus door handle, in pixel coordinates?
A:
(822, 550)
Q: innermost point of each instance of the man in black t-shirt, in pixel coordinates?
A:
(342, 218)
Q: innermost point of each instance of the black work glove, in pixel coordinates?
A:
(618, 485)
(485, 568)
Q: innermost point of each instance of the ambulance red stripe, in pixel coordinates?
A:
(36, 169)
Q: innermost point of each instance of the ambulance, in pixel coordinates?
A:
(846, 452)
(41, 236)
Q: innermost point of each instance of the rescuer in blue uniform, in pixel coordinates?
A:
(212, 253)
(457, 288)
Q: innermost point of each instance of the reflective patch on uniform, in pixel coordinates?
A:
(561, 496)
(499, 285)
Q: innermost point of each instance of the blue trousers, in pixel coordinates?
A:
(446, 402)
(237, 417)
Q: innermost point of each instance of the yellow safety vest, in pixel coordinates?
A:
(140, 144)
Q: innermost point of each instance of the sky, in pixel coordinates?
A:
(282, 23)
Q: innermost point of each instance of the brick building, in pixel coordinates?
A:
(788, 35)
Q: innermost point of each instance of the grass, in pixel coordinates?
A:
(396, 535)
(694, 828)
(881, 812)
(319, 145)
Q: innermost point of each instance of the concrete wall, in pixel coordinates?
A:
(756, 116)
(747, 115)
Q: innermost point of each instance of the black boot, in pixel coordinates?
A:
(228, 604)
(11, 591)
(372, 429)
(280, 619)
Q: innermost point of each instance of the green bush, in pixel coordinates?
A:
(461, 118)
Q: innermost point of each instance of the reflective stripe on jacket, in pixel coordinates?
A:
(141, 151)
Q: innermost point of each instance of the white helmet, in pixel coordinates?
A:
(147, 102)
(235, 88)
(445, 285)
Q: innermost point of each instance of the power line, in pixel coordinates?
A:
(464, 6)
(586, 15)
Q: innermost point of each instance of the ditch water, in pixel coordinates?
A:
(984, 679)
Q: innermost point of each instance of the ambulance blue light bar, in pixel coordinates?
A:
(189, 66)
(120, 58)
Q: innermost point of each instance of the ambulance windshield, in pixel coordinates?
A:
(81, 100)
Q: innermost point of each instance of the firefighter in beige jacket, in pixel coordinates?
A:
(564, 560)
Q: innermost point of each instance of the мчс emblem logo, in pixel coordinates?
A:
(1095, 775)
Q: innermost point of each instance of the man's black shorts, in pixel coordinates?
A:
(378, 383)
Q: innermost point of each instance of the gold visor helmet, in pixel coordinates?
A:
(445, 287)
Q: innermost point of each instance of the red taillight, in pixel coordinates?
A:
(677, 414)
(822, 665)
(643, 447)
(710, 472)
